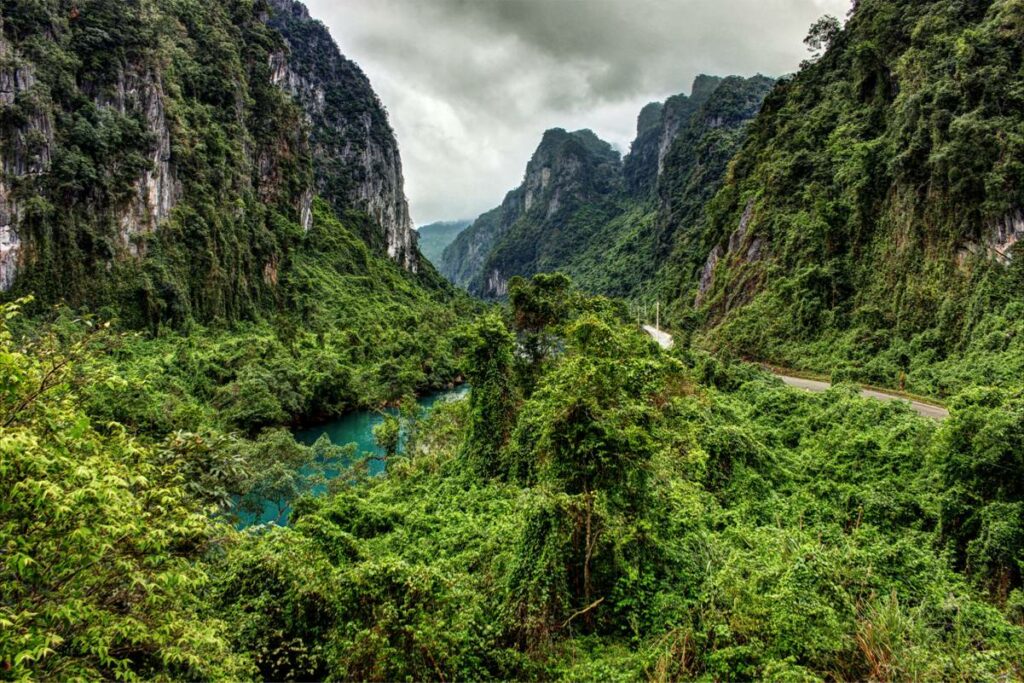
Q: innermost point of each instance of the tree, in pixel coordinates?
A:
(387, 434)
(589, 430)
(493, 400)
(538, 306)
(981, 455)
(99, 542)
(821, 34)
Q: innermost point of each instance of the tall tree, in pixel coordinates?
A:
(493, 399)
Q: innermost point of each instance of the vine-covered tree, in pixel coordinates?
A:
(494, 399)
(539, 306)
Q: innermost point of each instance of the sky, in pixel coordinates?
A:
(471, 85)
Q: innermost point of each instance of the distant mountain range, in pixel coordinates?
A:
(433, 238)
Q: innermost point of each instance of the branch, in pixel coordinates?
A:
(583, 611)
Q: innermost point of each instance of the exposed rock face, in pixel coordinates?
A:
(157, 190)
(463, 259)
(742, 246)
(567, 172)
(497, 285)
(1006, 233)
(707, 273)
(10, 246)
(738, 238)
(25, 152)
(738, 247)
(694, 167)
(356, 161)
(640, 167)
(134, 93)
(678, 111)
(658, 126)
(218, 124)
(998, 241)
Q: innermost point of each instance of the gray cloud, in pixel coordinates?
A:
(471, 85)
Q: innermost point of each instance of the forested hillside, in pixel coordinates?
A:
(174, 165)
(610, 224)
(162, 157)
(869, 222)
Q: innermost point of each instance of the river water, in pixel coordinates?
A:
(355, 427)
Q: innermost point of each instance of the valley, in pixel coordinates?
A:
(255, 425)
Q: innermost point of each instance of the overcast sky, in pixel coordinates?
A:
(470, 85)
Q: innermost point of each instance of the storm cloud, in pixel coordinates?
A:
(470, 85)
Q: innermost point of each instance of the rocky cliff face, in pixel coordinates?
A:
(355, 155)
(640, 167)
(694, 164)
(25, 149)
(610, 225)
(155, 157)
(658, 127)
(569, 169)
(535, 224)
(463, 260)
(157, 190)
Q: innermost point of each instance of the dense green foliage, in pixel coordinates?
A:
(598, 508)
(650, 516)
(880, 187)
(358, 331)
(99, 536)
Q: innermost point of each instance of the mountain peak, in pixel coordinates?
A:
(650, 117)
(555, 141)
(704, 86)
(293, 8)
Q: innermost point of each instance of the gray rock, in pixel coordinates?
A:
(356, 158)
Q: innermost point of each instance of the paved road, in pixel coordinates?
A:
(923, 409)
(663, 338)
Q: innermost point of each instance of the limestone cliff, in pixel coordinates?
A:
(611, 225)
(156, 156)
(693, 165)
(25, 149)
(537, 223)
(356, 161)
(463, 259)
